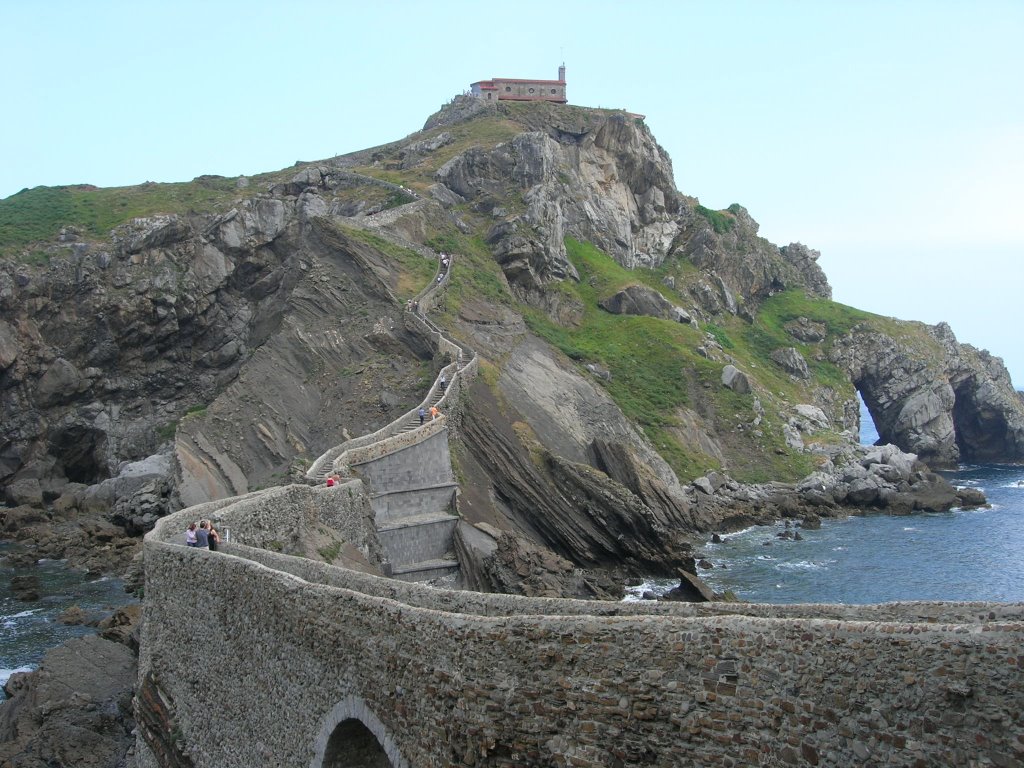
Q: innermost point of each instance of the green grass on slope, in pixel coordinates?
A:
(651, 373)
(476, 276)
(656, 369)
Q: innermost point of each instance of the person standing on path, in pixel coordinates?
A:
(190, 536)
(423, 415)
(202, 536)
(443, 382)
(214, 536)
(434, 412)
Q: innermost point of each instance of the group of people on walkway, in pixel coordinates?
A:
(434, 413)
(445, 261)
(333, 479)
(202, 536)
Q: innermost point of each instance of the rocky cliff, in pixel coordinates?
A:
(221, 333)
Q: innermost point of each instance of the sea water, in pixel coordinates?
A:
(29, 629)
(958, 555)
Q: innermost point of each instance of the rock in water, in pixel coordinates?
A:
(70, 713)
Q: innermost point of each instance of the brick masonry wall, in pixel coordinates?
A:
(493, 680)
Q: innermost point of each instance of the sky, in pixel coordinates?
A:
(889, 136)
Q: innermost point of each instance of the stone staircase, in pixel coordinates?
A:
(406, 465)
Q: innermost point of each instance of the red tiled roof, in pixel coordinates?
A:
(523, 80)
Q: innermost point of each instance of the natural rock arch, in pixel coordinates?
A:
(351, 736)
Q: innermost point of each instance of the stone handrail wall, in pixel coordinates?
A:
(273, 514)
(500, 680)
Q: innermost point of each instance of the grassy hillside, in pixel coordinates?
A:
(36, 215)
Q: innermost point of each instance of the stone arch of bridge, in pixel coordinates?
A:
(352, 736)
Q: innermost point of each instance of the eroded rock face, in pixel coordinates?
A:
(198, 325)
(929, 394)
(580, 513)
(602, 178)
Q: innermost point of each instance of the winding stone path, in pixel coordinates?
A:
(407, 464)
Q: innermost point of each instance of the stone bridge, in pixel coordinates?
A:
(260, 654)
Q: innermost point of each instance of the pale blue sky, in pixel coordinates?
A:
(887, 135)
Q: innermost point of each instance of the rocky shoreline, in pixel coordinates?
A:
(77, 707)
(41, 724)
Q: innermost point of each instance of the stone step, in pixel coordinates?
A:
(426, 570)
(413, 521)
(397, 507)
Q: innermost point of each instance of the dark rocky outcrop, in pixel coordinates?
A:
(491, 560)
(601, 177)
(945, 401)
(75, 710)
(176, 347)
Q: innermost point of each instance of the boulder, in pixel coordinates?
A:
(59, 383)
(680, 315)
(690, 590)
(639, 300)
(24, 492)
(810, 418)
(25, 587)
(73, 616)
(736, 380)
(969, 498)
(14, 519)
(808, 331)
(8, 346)
(791, 361)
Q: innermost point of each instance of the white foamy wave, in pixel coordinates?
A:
(975, 510)
(909, 528)
(803, 565)
(734, 534)
(20, 615)
(5, 674)
(636, 594)
(765, 557)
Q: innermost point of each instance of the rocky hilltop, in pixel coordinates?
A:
(651, 368)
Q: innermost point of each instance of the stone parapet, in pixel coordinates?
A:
(531, 681)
